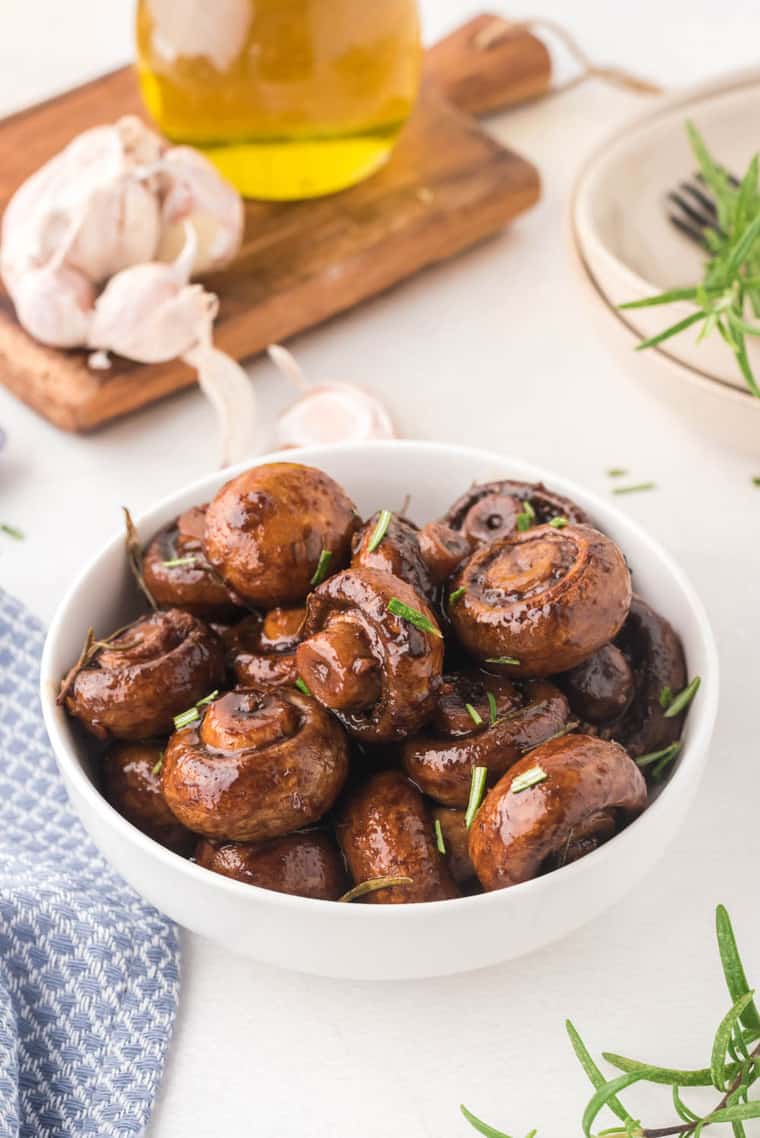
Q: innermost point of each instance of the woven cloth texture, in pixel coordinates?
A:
(88, 971)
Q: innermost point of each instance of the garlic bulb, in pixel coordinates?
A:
(194, 193)
(328, 413)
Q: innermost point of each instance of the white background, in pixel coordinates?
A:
(496, 349)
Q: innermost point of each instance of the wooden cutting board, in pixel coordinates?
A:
(447, 186)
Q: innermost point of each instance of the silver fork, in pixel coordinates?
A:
(691, 208)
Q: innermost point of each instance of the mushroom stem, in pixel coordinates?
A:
(338, 667)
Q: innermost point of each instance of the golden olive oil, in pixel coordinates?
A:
(289, 98)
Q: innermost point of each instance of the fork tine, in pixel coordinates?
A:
(695, 233)
(703, 199)
(699, 218)
(691, 208)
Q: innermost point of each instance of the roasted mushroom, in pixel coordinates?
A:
(468, 732)
(261, 649)
(257, 763)
(306, 864)
(363, 656)
(443, 550)
(136, 682)
(386, 830)
(177, 574)
(132, 784)
(273, 531)
(655, 656)
(541, 601)
(454, 837)
(490, 510)
(390, 543)
(600, 688)
(565, 788)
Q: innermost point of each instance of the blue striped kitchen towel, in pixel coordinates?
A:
(88, 971)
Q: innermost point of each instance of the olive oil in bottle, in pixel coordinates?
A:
(289, 98)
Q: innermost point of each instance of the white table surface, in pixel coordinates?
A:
(493, 349)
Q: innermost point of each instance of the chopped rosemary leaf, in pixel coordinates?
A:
(208, 698)
(322, 566)
(174, 562)
(492, 710)
(159, 764)
(474, 714)
(526, 517)
(683, 698)
(454, 597)
(661, 758)
(302, 686)
(413, 616)
(185, 718)
(373, 885)
(665, 697)
(527, 779)
(380, 530)
(559, 522)
(638, 486)
(439, 839)
(756, 479)
(501, 660)
(12, 531)
(477, 790)
(616, 472)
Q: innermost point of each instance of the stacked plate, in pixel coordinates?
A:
(628, 249)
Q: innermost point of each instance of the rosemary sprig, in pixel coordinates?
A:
(90, 649)
(193, 714)
(477, 791)
(12, 531)
(474, 714)
(373, 885)
(636, 488)
(176, 562)
(380, 530)
(731, 279)
(733, 1070)
(134, 557)
(323, 565)
(678, 702)
(440, 841)
(413, 616)
(493, 711)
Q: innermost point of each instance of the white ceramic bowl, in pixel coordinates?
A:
(394, 941)
(629, 249)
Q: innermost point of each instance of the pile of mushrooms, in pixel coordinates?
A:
(372, 710)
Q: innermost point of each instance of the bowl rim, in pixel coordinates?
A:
(603, 152)
(691, 761)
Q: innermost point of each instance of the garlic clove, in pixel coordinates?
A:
(230, 391)
(120, 227)
(333, 413)
(54, 304)
(147, 315)
(196, 193)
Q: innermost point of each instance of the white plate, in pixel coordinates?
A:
(394, 941)
(629, 248)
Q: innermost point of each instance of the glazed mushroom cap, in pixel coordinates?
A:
(191, 585)
(655, 655)
(515, 836)
(386, 830)
(442, 764)
(601, 687)
(154, 669)
(261, 649)
(376, 671)
(397, 553)
(455, 837)
(306, 864)
(132, 784)
(547, 598)
(489, 511)
(267, 529)
(259, 763)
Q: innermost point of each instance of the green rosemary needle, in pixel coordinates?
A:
(492, 709)
(380, 530)
(439, 839)
(413, 616)
(683, 698)
(502, 660)
(665, 697)
(158, 764)
(12, 531)
(528, 779)
(454, 597)
(373, 885)
(185, 718)
(526, 517)
(477, 790)
(302, 686)
(617, 472)
(636, 488)
(322, 566)
(559, 522)
(175, 562)
(208, 698)
(474, 714)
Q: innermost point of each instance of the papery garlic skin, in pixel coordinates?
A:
(55, 305)
(147, 314)
(195, 193)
